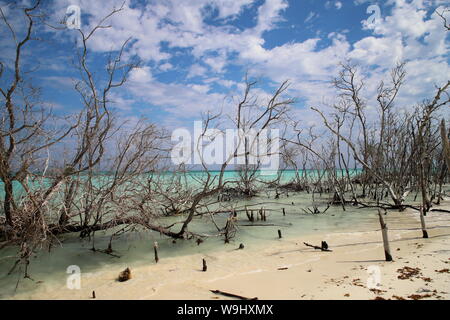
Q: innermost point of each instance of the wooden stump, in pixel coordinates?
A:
(155, 248)
(384, 232)
(422, 222)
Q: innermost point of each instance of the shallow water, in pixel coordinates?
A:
(136, 248)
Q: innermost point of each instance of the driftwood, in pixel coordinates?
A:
(265, 225)
(316, 210)
(440, 210)
(232, 295)
(324, 246)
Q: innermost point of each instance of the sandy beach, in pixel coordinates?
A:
(354, 269)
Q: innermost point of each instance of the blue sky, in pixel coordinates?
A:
(195, 53)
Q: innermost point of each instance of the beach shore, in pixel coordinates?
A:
(354, 269)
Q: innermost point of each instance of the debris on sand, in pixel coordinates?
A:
(357, 282)
(443, 271)
(125, 275)
(419, 297)
(408, 273)
(377, 291)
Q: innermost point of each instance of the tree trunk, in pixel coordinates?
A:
(8, 204)
(422, 222)
(67, 204)
(384, 232)
(445, 144)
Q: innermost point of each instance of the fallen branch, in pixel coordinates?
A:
(440, 210)
(265, 225)
(317, 247)
(232, 295)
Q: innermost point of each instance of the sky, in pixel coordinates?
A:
(196, 53)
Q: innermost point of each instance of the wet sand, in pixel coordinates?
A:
(287, 269)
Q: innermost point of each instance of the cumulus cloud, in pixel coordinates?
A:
(160, 30)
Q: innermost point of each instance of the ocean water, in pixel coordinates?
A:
(190, 177)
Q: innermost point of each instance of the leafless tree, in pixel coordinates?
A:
(25, 136)
(373, 143)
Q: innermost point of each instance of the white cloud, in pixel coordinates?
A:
(141, 75)
(406, 32)
(269, 14)
(165, 66)
(336, 4)
(230, 8)
(196, 70)
(184, 101)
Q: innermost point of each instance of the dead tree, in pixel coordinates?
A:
(372, 154)
(25, 138)
(424, 140)
(250, 117)
(23, 128)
